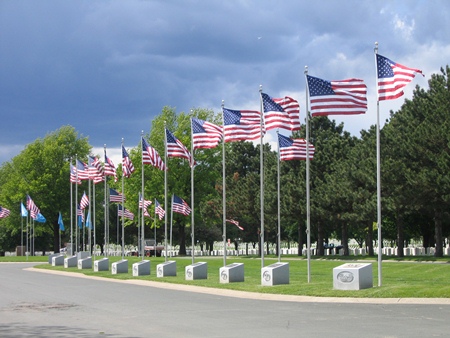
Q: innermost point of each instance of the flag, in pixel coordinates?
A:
(392, 77)
(235, 223)
(281, 113)
(126, 213)
(81, 171)
(205, 134)
(180, 206)
(176, 149)
(293, 149)
(343, 97)
(95, 169)
(80, 215)
(144, 204)
(115, 196)
(151, 156)
(241, 125)
(34, 210)
(84, 201)
(73, 174)
(23, 210)
(40, 218)
(159, 210)
(4, 212)
(110, 169)
(127, 165)
(60, 222)
(88, 221)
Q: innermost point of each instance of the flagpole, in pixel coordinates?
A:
(192, 192)
(71, 211)
(21, 227)
(90, 182)
(142, 187)
(106, 206)
(261, 169)
(76, 202)
(171, 222)
(308, 208)
(278, 201)
(224, 202)
(93, 219)
(123, 208)
(165, 191)
(154, 225)
(378, 175)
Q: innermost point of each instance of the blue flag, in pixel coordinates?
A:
(60, 222)
(23, 210)
(88, 220)
(40, 218)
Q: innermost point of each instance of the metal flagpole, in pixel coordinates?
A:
(154, 227)
(106, 206)
(90, 182)
(278, 202)
(123, 208)
(192, 193)
(224, 201)
(93, 220)
(139, 225)
(165, 192)
(171, 222)
(261, 169)
(378, 173)
(71, 211)
(21, 225)
(76, 203)
(142, 188)
(308, 208)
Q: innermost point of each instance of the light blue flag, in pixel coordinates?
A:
(60, 222)
(88, 220)
(40, 218)
(23, 210)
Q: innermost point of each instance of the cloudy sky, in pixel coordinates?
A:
(108, 67)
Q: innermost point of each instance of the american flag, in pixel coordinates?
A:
(159, 210)
(281, 113)
(73, 175)
(110, 169)
(205, 134)
(80, 214)
(126, 213)
(180, 206)
(144, 204)
(127, 165)
(293, 149)
(4, 212)
(176, 149)
(151, 156)
(84, 201)
(241, 125)
(115, 196)
(232, 221)
(81, 172)
(34, 210)
(95, 169)
(392, 77)
(344, 97)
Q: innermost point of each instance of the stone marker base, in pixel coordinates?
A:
(166, 269)
(353, 276)
(85, 263)
(232, 273)
(119, 267)
(141, 268)
(196, 271)
(83, 254)
(70, 262)
(58, 260)
(101, 265)
(50, 257)
(275, 274)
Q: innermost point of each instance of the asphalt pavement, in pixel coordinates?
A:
(42, 303)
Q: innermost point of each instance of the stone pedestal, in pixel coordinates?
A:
(119, 267)
(85, 263)
(141, 268)
(274, 274)
(83, 254)
(58, 260)
(232, 273)
(50, 257)
(165, 269)
(101, 265)
(196, 271)
(353, 276)
(70, 262)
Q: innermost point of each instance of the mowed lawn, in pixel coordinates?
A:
(425, 277)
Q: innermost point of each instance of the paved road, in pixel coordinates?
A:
(37, 304)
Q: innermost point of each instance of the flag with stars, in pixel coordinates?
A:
(294, 149)
(177, 149)
(110, 168)
(392, 77)
(127, 165)
(151, 156)
(4, 212)
(180, 206)
(159, 210)
(205, 134)
(343, 97)
(283, 113)
(242, 125)
(125, 213)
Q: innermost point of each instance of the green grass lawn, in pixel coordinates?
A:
(412, 277)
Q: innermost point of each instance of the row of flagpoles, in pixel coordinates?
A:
(323, 98)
